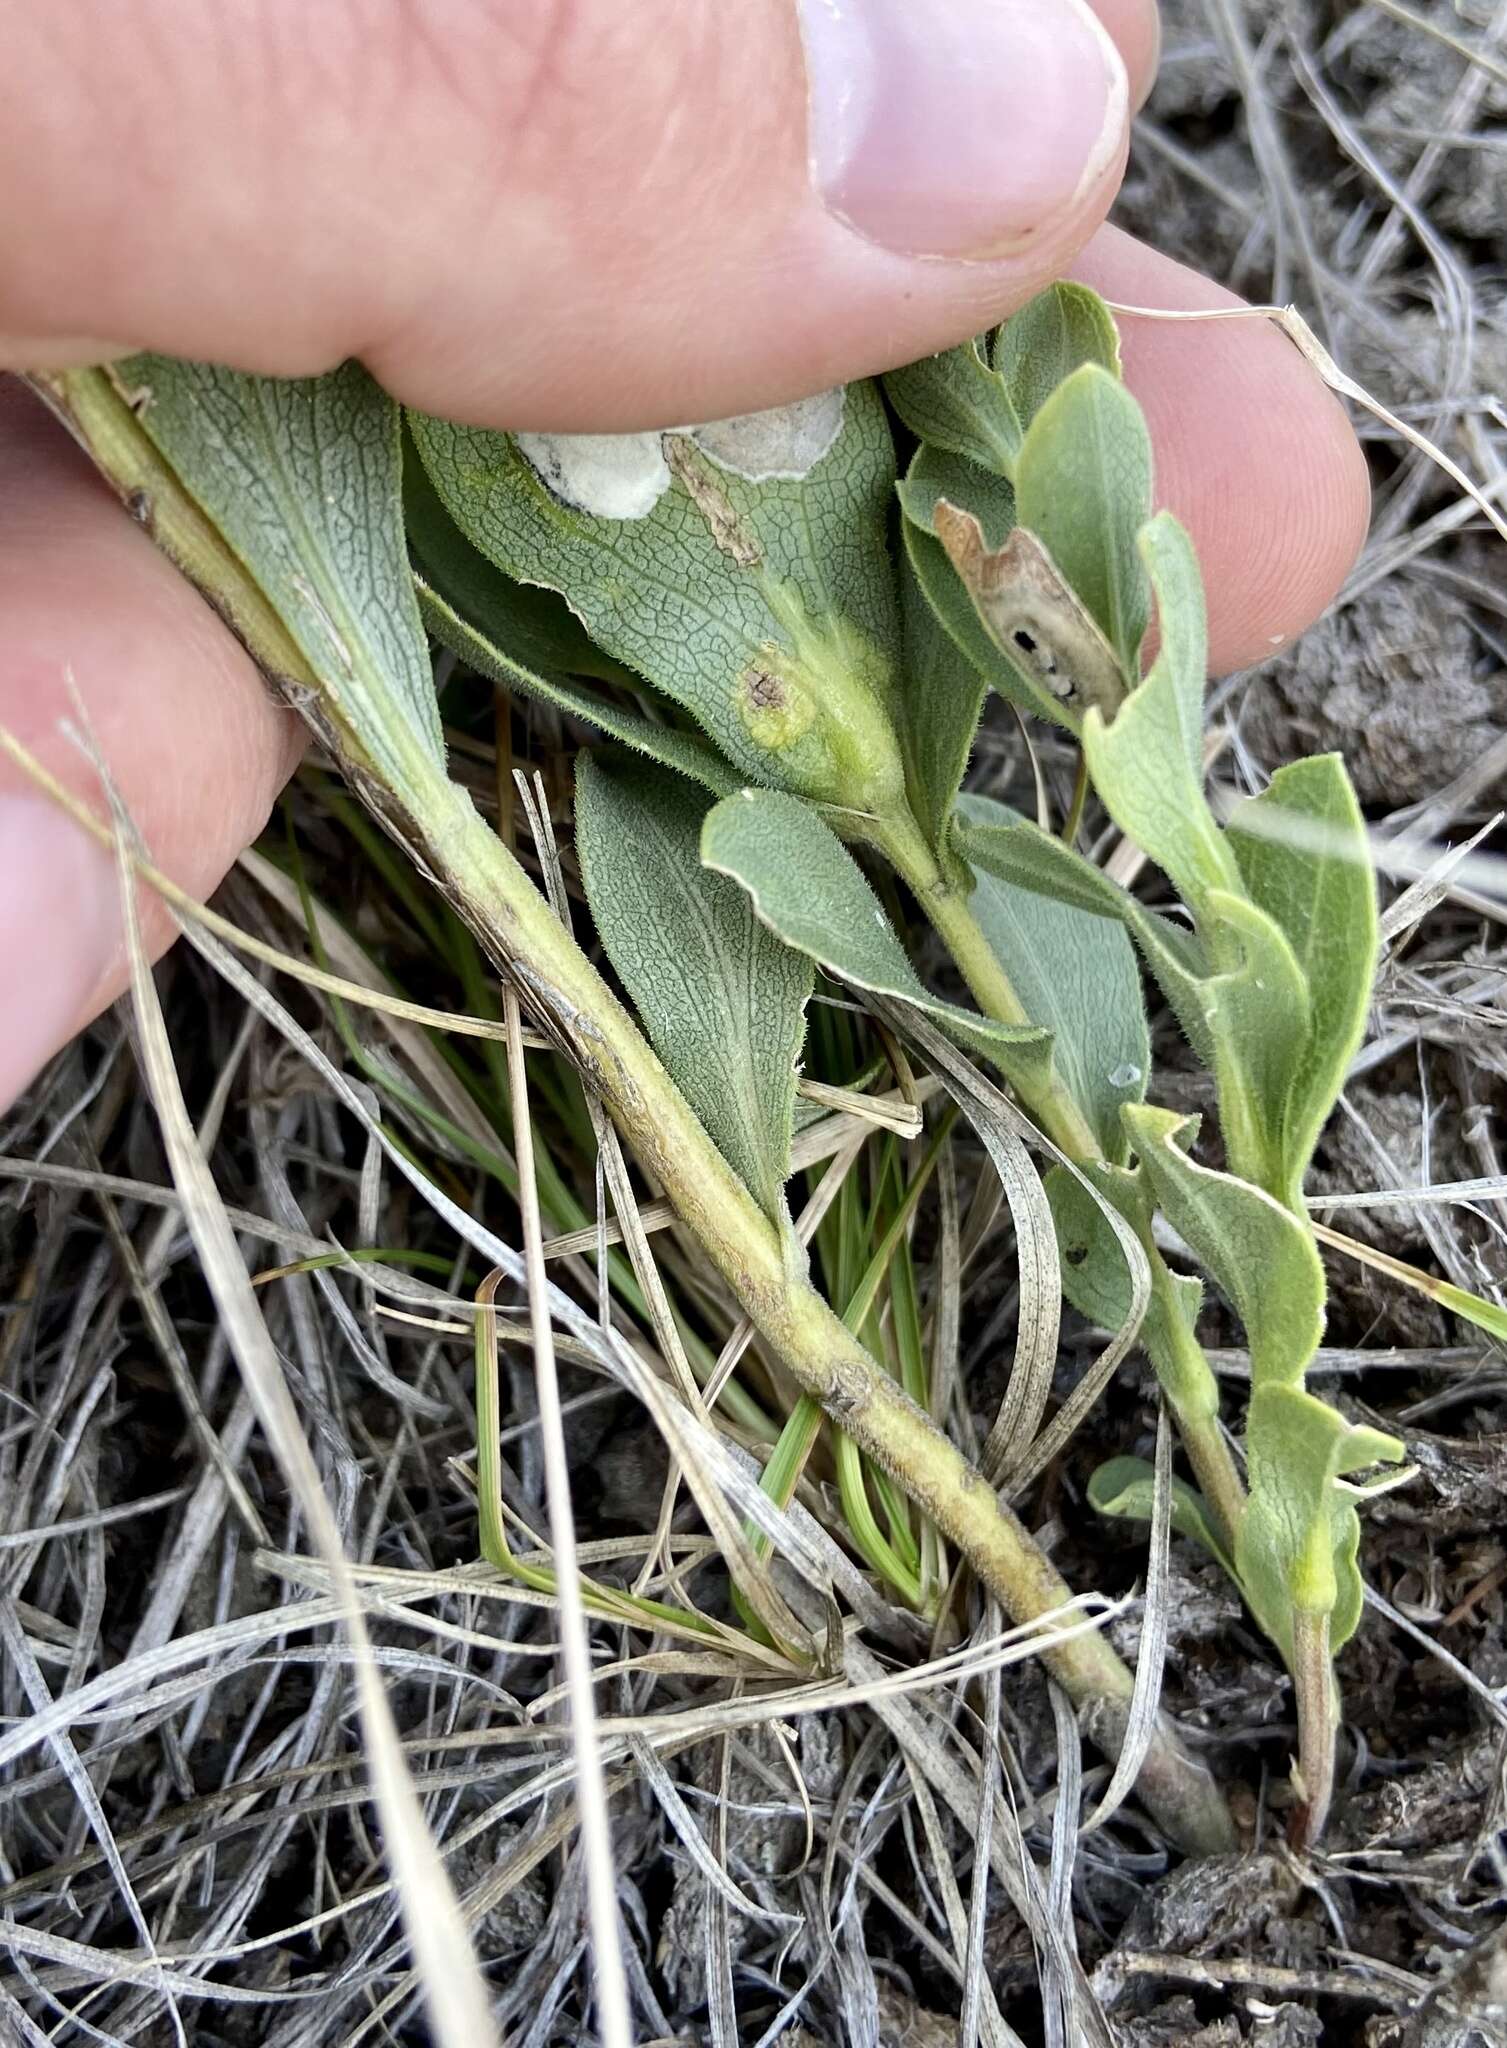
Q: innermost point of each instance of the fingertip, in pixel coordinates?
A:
(97, 627)
(1253, 453)
(1136, 28)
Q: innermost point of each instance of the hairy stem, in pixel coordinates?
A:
(1181, 1365)
(1187, 1379)
(947, 908)
(1318, 1724)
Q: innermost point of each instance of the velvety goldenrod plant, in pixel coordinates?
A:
(787, 645)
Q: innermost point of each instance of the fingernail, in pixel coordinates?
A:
(959, 127)
(59, 934)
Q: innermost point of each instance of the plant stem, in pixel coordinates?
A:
(1187, 1379)
(517, 927)
(1179, 1360)
(903, 844)
(1318, 1723)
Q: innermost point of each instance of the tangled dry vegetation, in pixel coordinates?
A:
(189, 1848)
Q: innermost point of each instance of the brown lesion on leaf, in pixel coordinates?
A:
(690, 468)
(776, 708)
(765, 692)
(1032, 612)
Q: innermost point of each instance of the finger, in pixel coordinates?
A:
(544, 212)
(195, 743)
(1136, 28)
(1253, 453)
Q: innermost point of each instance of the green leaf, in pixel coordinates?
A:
(765, 607)
(1296, 1545)
(525, 639)
(955, 402)
(1260, 1255)
(935, 479)
(999, 594)
(1022, 854)
(1096, 1280)
(1076, 975)
(1302, 851)
(1147, 766)
(1095, 1275)
(723, 1000)
(941, 696)
(1256, 1012)
(808, 888)
(1083, 487)
(1299, 1538)
(534, 626)
(1059, 331)
(1125, 1490)
(302, 477)
(1246, 1013)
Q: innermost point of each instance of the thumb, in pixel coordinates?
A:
(552, 213)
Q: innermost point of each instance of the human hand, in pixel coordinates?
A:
(567, 214)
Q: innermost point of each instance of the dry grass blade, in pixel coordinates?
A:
(1059, 1987)
(596, 1837)
(1308, 345)
(35, 1686)
(975, 1966)
(1019, 1456)
(1483, 59)
(1156, 1622)
(189, 907)
(957, 1785)
(451, 1982)
(1429, 891)
(816, 1144)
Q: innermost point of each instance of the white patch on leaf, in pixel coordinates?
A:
(624, 476)
(787, 442)
(611, 476)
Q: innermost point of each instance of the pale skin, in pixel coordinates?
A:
(527, 213)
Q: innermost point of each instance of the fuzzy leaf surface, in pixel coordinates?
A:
(1083, 487)
(1297, 1541)
(1246, 1013)
(956, 402)
(1076, 974)
(533, 625)
(1051, 336)
(722, 999)
(1259, 1253)
(1021, 854)
(1096, 1279)
(941, 696)
(1147, 766)
(1300, 1535)
(1257, 1014)
(1301, 847)
(303, 478)
(1124, 1489)
(767, 610)
(525, 639)
(807, 887)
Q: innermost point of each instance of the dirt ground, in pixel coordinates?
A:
(203, 1778)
